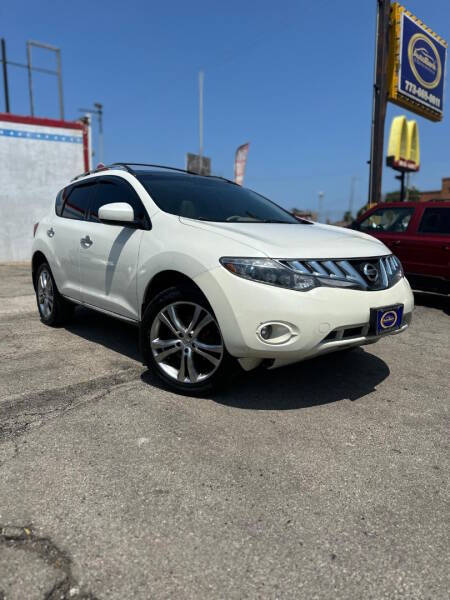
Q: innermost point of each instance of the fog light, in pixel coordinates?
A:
(277, 332)
(266, 332)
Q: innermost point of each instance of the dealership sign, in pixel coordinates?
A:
(417, 65)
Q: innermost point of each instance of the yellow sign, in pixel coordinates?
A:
(416, 71)
(403, 148)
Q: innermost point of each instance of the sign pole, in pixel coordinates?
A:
(5, 75)
(402, 186)
(380, 91)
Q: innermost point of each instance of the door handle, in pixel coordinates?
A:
(447, 248)
(86, 242)
(50, 232)
(396, 243)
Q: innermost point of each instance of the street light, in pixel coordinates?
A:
(98, 112)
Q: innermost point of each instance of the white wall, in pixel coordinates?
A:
(35, 163)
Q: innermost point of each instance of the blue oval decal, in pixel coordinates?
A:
(389, 319)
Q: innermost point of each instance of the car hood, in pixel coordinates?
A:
(280, 240)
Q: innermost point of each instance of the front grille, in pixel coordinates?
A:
(353, 332)
(347, 333)
(358, 331)
(370, 274)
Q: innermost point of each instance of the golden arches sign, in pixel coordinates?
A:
(403, 148)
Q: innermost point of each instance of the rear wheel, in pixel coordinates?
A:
(53, 308)
(182, 343)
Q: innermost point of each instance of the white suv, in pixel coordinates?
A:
(214, 274)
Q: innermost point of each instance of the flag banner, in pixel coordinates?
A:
(240, 162)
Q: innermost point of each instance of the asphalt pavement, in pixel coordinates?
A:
(324, 480)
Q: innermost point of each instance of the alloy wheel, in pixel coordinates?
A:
(186, 342)
(45, 294)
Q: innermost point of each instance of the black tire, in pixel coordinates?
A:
(228, 366)
(60, 310)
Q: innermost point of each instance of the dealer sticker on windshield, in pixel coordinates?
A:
(387, 319)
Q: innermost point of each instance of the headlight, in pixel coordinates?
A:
(266, 270)
(395, 272)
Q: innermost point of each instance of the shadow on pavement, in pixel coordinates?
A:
(343, 375)
(106, 331)
(338, 376)
(432, 301)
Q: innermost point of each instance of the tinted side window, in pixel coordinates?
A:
(388, 219)
(77, 202)
(435, 220)
(59, 203)
(110, 190)
(60, 199)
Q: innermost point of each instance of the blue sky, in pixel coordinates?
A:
(293, 78)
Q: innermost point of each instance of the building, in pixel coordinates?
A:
(37, 158)
(442, 194)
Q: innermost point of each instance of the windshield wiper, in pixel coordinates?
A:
(257, 219)
(276, 221)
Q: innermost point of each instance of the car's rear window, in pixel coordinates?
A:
(211, 199)
(435, 220)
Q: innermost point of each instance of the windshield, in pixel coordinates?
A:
(210, 199)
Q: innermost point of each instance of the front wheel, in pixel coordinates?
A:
(182, 343)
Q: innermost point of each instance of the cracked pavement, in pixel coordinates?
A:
(324, 480)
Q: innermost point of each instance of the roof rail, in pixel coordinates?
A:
(127, 165)
(101, 168)
(128, 168)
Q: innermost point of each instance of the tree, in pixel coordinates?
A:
(348, 217)
(413, 196)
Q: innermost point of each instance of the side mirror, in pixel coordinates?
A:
(354, 225)
(116, 212)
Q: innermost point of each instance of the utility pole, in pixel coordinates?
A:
(5, 75)
(352, 195)
(99, 108)
(30, 79)
(98, 112)
(60, 87)
(379, 102)
(201, 76)
(320, 207)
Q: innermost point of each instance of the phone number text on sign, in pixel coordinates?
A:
(412, 88)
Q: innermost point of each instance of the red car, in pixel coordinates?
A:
(419, 234)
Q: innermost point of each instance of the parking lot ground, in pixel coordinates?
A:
(324, 480)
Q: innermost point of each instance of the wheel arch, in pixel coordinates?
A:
(37, 259)
(166, 279)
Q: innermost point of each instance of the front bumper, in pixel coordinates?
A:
(242, 306)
